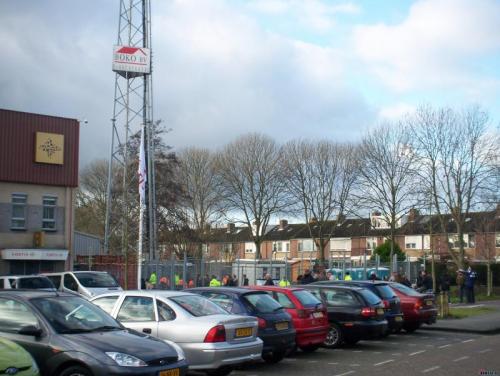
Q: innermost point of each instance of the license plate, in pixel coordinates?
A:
(380, 311)
(281, 326)
(317, 315)
(170, 372)
(428, 302)
(399, 318)
(243, 332)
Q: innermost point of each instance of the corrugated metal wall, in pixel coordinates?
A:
(87, 245)
(17, 144)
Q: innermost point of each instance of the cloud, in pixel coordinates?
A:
(396, 112)
(437, 46)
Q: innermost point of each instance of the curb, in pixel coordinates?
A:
(463, 330)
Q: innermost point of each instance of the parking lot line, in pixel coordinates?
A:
(468, 340)
(418, 352)
(442, 347)
(396, 354)
(430, 369)
(461, 358)
(484, 351)
(333, 363)
(384, 362)
(345, 373)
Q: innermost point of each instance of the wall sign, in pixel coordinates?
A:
(49, 148)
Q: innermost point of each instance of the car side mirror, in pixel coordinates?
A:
(30, 330)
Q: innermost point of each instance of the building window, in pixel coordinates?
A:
(287, 247)
(249, 247)
(472, 241)
(454, 242)
(371, 243)
(49, 213)
(305, 245)
(497, 240)
(18, 219)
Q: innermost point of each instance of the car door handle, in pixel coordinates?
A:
(146, 330)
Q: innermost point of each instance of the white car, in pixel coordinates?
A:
(213, 341)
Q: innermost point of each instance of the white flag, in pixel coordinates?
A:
(142, 171)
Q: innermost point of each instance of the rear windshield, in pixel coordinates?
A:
(198, 305)
(385, 291)
(262, 303)
(34, 283)
(306, 298)
(96, 280)
(369, 296)
(405, 289)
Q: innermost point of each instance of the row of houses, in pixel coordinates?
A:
(353, 238)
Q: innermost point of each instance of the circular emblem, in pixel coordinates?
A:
(11, 371)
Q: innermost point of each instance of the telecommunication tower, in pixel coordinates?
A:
(132, 110)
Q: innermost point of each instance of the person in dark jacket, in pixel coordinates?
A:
(307, 278)
(470, 280)
(269, 280)
(444, 284)
(245, 280)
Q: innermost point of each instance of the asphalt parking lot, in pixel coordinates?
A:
(420, 353)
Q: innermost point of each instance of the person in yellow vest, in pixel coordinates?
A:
(284, 283)
(152, 281)
(347, 277)
(214, 282)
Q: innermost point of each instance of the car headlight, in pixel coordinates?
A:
(126, 360)
(180, 351)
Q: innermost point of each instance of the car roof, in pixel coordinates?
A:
(23, 276)
(356, 282)
(337, 286)
(275, 288)
(154, 293)
(30, 294)
(229, 290)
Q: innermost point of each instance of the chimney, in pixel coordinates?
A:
(412, 215)
(230, 228)
(283, 224)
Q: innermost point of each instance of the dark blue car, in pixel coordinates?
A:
(392, 304)
(275, 324)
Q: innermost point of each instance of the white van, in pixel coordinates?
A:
(86, 283)
(30, 282)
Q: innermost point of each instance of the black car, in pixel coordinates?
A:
(275, 324)
(382, 289)
(354, 313)
(67, 335)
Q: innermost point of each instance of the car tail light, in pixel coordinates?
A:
(302, 313)
(386, 304)
(216, 334)
(262, 323)
(418, 305)
(368, 312)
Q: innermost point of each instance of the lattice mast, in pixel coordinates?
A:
(132, 109)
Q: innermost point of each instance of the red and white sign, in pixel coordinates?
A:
(35, 254)
(131, 60)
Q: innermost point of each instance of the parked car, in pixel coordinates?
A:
(275, 324)
(69, 336)
(309, 315)
(212, 340)
(14, 360)
(417, 308)
(354, 313)
(31, 282)
(392, 304)
(85, 283)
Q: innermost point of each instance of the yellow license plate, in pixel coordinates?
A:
(281, 326)
(170, 372)
(380, 311)
(399, 318)
(243, 332)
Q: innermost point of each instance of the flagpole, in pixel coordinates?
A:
(142, 201)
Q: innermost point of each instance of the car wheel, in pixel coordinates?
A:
(273, 357)
(75, 371)
(334, 337)
(410, 328)
(221, 371)
(310, 348)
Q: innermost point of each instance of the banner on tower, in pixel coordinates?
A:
(133, 60)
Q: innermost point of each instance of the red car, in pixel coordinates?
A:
(309, 316)
(417, 308)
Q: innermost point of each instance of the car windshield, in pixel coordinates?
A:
(198, 305)
(306, 298)
(369, 296)
(405, 289)
(262, 303)
(34, 283)
(96, 280)
(72, 314)
(385, 291)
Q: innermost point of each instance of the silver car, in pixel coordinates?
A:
(212, 340)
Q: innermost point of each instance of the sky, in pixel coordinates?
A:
(286, 68)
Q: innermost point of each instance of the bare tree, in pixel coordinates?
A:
(456, 155)
(387, 176)
(320, 177)
(202, 202)
(252, 182)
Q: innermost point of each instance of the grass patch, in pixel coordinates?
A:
(463, 312)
